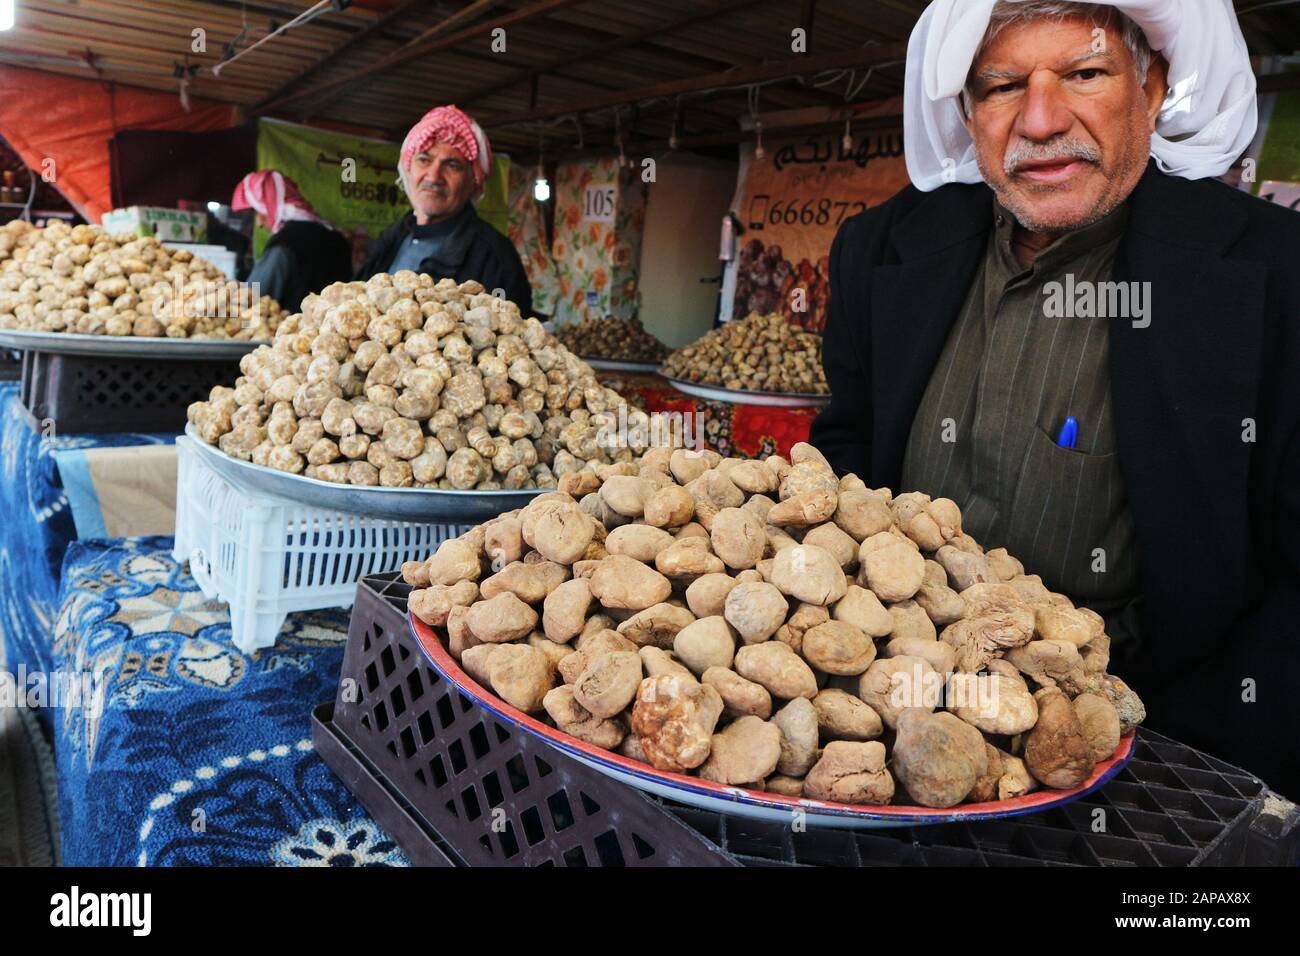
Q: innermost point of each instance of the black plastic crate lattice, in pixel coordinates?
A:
(85, 393)
(455, 785)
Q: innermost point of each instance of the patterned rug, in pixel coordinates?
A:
(182, 750)
(29, 826)
(37, 525)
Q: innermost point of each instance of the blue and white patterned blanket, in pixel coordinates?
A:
(35, 526)
(190, 752)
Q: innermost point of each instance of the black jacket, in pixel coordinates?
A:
(302, 257)
(1217, 517)
(475, 250)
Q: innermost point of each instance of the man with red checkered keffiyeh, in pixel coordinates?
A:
(445, 161)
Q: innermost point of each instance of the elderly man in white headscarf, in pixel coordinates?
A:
(1068, 326)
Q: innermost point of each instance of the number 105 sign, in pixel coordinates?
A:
(599, 202)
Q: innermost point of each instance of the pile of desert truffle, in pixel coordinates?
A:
(759, 353)
(612, 339)
(765, 624)
(84, 280)
(399, 381)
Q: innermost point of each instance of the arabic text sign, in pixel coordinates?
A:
(793, 201)
(350, 180)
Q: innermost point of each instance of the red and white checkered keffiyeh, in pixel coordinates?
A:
(451, 127)
(275, 196)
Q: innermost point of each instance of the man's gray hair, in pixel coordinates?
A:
(1006, 12)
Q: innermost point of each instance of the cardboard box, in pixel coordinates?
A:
(174, 225)
(219, 256)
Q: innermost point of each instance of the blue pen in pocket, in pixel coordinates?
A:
(1069, 433)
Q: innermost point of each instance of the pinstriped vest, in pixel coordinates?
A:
(1023, 354)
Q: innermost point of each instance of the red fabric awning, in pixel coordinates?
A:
(70, 121)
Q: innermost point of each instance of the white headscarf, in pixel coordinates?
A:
(1206, 122)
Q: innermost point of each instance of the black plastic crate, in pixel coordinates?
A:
(87, 393)
(455, 785)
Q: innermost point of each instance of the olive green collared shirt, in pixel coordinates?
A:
(985, 431)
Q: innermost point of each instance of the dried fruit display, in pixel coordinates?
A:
(399, 381)
(759, 353)
(612, 339)
(766, 282)
(769, 625)
(84, 280)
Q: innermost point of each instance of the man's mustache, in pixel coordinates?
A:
(1057, 149)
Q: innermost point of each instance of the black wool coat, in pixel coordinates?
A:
(475, 250)
(1217, 516)
(303, 257)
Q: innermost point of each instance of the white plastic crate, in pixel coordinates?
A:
(267, 556)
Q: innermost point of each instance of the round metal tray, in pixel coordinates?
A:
(396, 504)
(612, 365)
(126, 346)
(739, 397)
(740, 801)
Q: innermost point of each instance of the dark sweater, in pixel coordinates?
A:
(303, 257)
(474, 250)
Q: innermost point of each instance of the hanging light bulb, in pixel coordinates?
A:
(541, 188)
(7, 14)
(759, 152)
(847, 142)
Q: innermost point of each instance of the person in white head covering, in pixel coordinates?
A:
(1205, 122)
(1069, 327)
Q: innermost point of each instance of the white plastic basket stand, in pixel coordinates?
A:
(268, 556)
